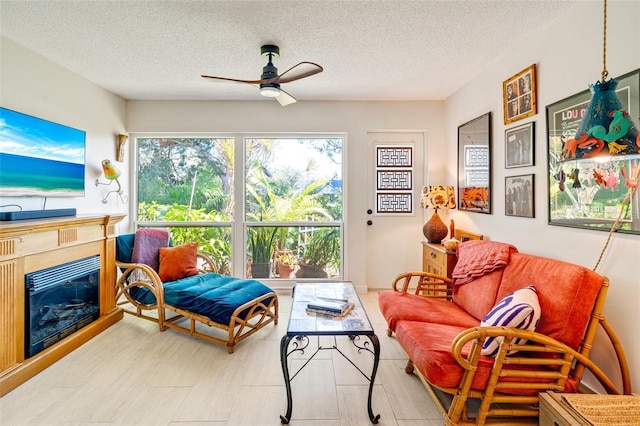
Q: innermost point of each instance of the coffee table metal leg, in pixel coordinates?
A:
(284, 344)
(376, 359)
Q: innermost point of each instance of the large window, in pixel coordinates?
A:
(290, 201)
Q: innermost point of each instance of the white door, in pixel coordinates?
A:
(395, 219)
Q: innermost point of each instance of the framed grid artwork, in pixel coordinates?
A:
(393, 156)
(394, 179)
(394, 202)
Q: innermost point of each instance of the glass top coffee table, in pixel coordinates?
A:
(355, 324)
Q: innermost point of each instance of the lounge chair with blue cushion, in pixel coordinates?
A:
(181, 280)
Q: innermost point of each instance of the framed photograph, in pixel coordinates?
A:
(519, 95)
(518, 196)
(585, 193)
(474, 165)
(519, 146)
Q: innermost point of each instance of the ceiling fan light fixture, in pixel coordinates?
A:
(270, 90)
(270, 81)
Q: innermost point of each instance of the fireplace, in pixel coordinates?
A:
(59, 301)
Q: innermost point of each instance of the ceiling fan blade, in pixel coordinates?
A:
(298, 71)
(285, 99)
(235, 80)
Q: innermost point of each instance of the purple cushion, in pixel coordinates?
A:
(147, 244)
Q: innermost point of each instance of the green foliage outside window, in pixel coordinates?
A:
(214, 241)
(192, 180)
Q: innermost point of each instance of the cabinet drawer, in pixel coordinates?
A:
(437, 260)
(434, 256)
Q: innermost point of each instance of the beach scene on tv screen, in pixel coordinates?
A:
(39, 157)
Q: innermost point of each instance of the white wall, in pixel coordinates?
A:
(353, 118)
(36, 86)
(568, 54)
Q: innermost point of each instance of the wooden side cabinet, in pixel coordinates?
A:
(437, 260)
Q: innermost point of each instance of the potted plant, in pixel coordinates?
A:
(286, 262)
(322, 249)
(261, 240)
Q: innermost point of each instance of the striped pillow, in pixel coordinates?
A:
(519, 309)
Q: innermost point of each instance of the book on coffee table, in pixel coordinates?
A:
(328, 306)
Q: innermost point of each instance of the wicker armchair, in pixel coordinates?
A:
(139, 275)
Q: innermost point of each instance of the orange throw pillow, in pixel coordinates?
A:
(178, 262)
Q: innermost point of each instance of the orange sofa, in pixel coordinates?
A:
(438, 324)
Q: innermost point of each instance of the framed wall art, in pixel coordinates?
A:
(474, 165)
(394, 175)
(519, 146)
(587, 192)
(519, 196)
(519, 95)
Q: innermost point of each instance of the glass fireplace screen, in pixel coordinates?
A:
(60, 300)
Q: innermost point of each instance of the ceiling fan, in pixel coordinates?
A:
(270, 81)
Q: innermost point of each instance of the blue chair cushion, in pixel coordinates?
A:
(211, 295)
(124, 247)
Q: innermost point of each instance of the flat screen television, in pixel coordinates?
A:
(39, 157)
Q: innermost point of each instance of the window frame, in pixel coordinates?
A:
(239, 225)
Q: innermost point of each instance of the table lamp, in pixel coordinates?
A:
(438, 197)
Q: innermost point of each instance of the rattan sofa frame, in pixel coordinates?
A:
(502, 408)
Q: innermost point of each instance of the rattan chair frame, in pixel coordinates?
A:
(262, 310)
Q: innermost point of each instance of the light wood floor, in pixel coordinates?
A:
(133, 374)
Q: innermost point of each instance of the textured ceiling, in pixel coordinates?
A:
(370, 50)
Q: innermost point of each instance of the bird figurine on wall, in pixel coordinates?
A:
(110, 171)
(112, 174)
